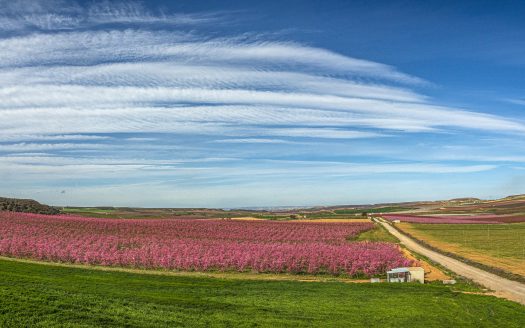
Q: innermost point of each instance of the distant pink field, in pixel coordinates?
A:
(455, 219)
(197, 245)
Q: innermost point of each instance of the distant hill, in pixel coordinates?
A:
(515, 197)
(465, 199)
(26, 205)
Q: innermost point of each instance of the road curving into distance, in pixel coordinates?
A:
(502, 287)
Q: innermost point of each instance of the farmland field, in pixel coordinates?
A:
(52, 296)
(497, 245)
(372, 210)
(199, 245)
(378, 233)
(456, 219)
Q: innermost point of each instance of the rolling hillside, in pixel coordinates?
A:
(26, 206)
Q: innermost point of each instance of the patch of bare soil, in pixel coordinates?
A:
(432, 273)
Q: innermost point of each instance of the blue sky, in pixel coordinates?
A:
(261, 103)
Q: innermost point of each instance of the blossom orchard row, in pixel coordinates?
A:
(197, 245)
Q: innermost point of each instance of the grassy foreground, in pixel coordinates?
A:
(50, 296)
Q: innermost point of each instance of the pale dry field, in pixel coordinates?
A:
(432, 273)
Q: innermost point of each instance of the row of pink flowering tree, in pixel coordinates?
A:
(198, 245)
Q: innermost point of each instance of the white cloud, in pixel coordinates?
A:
(251, 107)
(175, 75)
(253, 141)
(188, 172)
(248, 82)
(49, 15)
(105, 12)
(87, 89)
(90, 47)
(33, 137)
(318, 133)
(24, 147)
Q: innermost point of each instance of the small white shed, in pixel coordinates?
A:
(406, 275)
(417, 274)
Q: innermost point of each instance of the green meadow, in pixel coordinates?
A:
(40, 295)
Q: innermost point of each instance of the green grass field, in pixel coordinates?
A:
(496, 246)
(52, 296)
(500, 240)
(377, 234)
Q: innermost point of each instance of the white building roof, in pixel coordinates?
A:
(398, 270)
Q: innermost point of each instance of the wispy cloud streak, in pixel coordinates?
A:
(104, 79)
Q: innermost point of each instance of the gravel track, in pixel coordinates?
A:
(502, 287)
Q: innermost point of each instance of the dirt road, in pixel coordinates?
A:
(506, 288)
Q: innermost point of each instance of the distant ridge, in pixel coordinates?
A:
(505, 205)
(26, 206)
(465, 199)
(521, 196)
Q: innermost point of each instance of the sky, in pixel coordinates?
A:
(261, 103)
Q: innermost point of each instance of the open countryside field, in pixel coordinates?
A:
(508, 209)
(199, 267)
(372, 210)
(50, 296)
(456, 218)
(511, 205)
(199, 245)
(222, 272)
(147, 213)
(496, 245)
(378, 233)
(314, 163)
